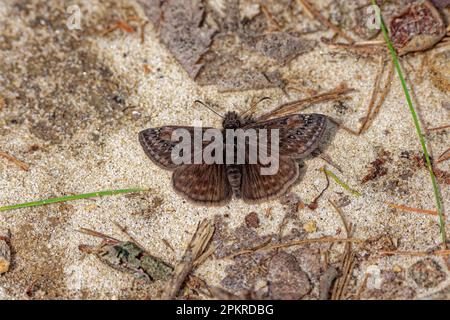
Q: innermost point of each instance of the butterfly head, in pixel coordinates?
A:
(231, 121)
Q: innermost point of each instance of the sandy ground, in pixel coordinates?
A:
(75, 101)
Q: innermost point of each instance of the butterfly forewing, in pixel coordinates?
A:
(158, 145)
(299, 134)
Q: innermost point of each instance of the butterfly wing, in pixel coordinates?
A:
(299, 134)
(157, 144)
(257, 187)
(202, 183)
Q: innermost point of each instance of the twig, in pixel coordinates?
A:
(296, 105)
(370, 116)
(313, 204)
(195, 249)
(404, 208)
(439, 128)
(297, 243)
(444, 156)
(22, 165)
(362, 287)
(416, 253)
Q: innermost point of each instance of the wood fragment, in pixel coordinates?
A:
(195, 249)
(22, 165)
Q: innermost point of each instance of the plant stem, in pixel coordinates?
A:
(70, 198)
(437, 194)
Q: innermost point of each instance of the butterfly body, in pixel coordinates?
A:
(216, 184)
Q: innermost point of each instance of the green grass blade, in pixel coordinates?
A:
(340, 182)
(71, 198)
(436, 190)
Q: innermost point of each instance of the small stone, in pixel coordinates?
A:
(287, 281)
(310, 226)
(397, 269)
(427, 273)
(5, 254)
(252, 220)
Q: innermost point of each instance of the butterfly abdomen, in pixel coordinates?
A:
(234, 176)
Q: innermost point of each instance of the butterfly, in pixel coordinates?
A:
(216, 184)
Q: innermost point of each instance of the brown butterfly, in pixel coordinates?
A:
(215, 184)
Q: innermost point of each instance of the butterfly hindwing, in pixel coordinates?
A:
(257, 187)
(204, 184)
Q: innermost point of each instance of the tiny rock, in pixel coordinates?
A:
(5, 254)
(310, 226)
(252, 220)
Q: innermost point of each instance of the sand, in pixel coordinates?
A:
(62, 118)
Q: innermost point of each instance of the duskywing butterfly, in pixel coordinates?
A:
(215, 184)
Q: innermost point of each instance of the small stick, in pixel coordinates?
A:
(362, 287)
(195, 249)
(294, 105)
(416, 253)
(383, 96)
(314, 12)
(444, 156)
(297, 243)
(439, 128)
(404, 208)
(22, 165)
(143, 25)
(313, 204)
(270, 17)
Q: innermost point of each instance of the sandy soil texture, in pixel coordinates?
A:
(73, 101)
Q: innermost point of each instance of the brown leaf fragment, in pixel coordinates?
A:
(427, 273)
(417, 28)
(287, 281)
(183, 32)
(280, 46)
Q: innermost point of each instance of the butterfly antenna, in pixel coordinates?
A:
(209, 108)
(253, 106)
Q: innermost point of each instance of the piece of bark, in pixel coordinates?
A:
(195, 249)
